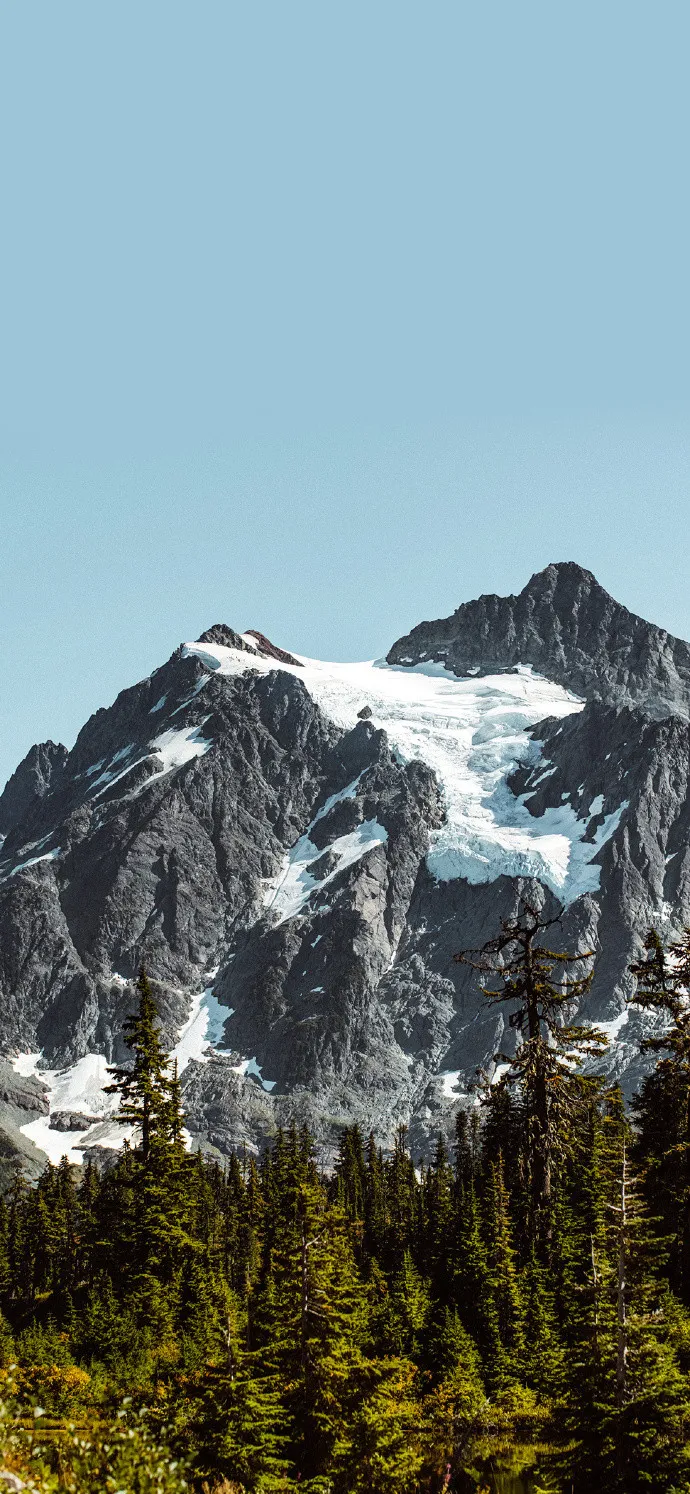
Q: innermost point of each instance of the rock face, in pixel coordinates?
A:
(567, 627)
(295, 851)
(30, 781)
(22, 1100)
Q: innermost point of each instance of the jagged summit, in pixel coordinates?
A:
(295, 849)
(251, 642)
(565, 625)
(31, 781)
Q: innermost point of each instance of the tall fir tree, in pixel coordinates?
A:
(536, 983)
(145, 1086)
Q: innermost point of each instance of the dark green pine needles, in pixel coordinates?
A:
(510, 1314)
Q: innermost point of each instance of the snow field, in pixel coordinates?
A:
(291, 890)
(80, 1087)
(472, 732)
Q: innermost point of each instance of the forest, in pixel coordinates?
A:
(511, 1317)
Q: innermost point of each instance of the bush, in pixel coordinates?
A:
(119, 1456)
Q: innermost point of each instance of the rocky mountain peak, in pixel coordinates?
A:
(31, 781)
(565, 625)
(226, 637)
(252, 642)
(295, 849)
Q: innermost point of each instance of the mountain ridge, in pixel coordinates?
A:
(565, 624)
(296, 850)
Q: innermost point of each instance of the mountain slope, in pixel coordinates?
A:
(296, 850)
(566, 626)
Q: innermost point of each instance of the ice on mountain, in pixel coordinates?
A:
(291, 891)
(109, 775)
(95, 768)
(217, 1015)
(612, 1029)
(547, 773)
(215, 655)
(473, 733)
(108, 779)
(189, 698)
(32, 861)
(25, 1064)
(80, 1087)
(178, 747)
(449, 1083)
(203, 1029)
(249, 1066)
(350, 792)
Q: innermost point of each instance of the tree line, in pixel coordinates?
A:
(516, 1308)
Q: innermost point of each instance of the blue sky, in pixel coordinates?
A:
(322, 319)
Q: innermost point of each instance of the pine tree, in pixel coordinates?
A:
(633, 1409)
(503, 1276)
(472, 1290)
(437, 1220)
(147, 1094)
(536, 983)
(350, 1174)
(234, 1415)
(663, 1105)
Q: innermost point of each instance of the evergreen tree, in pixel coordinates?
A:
(663, 1105)
(632, 1415)
(503, 1277)
(148, 1097)
(536, 983)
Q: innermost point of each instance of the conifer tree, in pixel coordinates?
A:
(503, 1276)
(472, 1286)
(535, 981)
(437, 1220)
(632, 1409)
(663, 1105)
(148, 1097)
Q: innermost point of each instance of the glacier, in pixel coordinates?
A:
(473, 732)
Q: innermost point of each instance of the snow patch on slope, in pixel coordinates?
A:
(32, 861)
(291, 890)
(80, 1087)
(473, 733)
(249, 1066)
(178, 747)
(77, 1088)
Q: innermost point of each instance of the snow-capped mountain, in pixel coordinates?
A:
(296, 849)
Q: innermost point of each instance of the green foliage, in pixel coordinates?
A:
(120, 1454)
(507, 1312)
(536, 983)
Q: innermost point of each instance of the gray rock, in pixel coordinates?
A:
(71, 1120)
(31, 781)
(568, 628)
(350, 1007)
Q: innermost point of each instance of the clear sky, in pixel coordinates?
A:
(322, 318)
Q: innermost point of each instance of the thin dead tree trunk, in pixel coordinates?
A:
(595, 1288)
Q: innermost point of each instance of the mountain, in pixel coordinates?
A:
(566, 626)
(296, 850)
